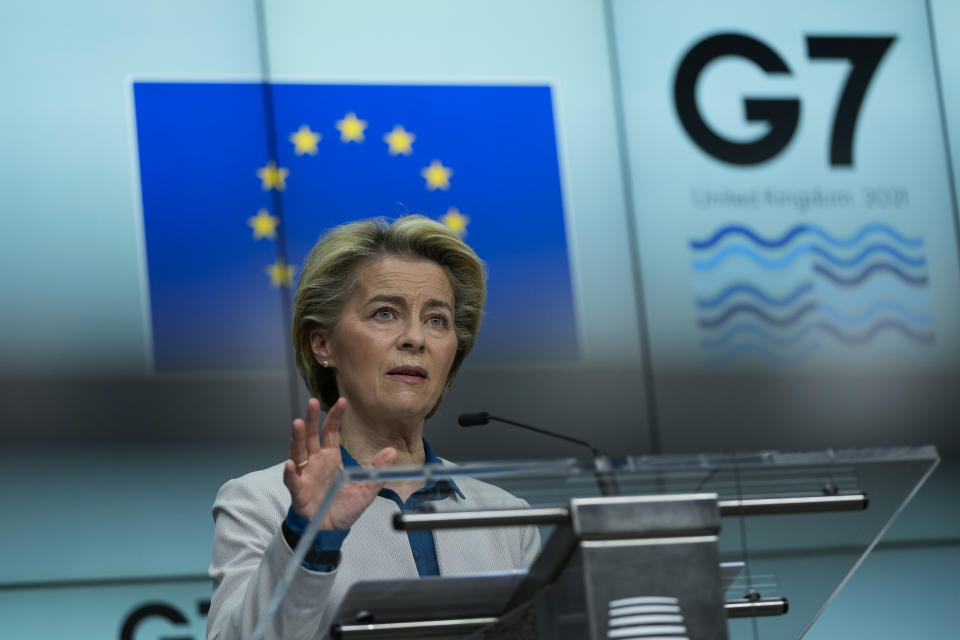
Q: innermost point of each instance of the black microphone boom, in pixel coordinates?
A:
(477, 419)
(605, 479)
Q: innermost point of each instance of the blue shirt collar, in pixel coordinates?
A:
(431, 458)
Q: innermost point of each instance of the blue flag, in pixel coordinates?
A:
(216, 203)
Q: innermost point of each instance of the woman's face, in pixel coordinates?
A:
(395, 342)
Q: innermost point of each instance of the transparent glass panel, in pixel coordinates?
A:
(803, 557)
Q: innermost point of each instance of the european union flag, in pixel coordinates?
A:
(481, 159)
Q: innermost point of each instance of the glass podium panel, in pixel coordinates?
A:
(804, 554)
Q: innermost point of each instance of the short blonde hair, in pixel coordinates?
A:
(330, 275)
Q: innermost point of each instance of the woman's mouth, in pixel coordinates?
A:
(408, 373)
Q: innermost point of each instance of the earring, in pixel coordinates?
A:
(324, 363)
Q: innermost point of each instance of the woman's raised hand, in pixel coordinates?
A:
(311, 468)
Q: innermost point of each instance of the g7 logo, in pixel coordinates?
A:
(783, 115)
(163, 611)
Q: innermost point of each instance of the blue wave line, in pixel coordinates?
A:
(793, 232)
(786, 321)
(749, 328)
(853, 281)
(857, 297)
(868, 335)
(755, 349)
(745, 287)
(838, 316)
(874, 309)
(779, 263)
(925, 337)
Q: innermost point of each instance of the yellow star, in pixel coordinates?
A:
(305, 141)
(264, 225)
(281, 274)
(437, 176)
(273, 177)
(351, 128)
(456, 221)
(400, 141)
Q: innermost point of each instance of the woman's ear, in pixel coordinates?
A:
(320, 345)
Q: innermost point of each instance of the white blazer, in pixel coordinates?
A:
(250, 553)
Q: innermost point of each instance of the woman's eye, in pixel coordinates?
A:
(437, 321)
(384, 313)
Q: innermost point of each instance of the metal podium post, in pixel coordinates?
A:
(640, 565)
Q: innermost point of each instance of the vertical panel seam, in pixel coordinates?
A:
(630, 206)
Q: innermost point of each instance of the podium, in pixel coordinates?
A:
(711, 546)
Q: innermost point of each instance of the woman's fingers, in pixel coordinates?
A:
(290, 477)
(355, 497)
(304, 435)
(308, 483)
(384, 458)
(312, 422)
(331, 426)
(298, 442)
(312, 467)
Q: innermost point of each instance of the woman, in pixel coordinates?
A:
(384, 316)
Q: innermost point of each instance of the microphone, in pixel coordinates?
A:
(473, 419)
(605, 479)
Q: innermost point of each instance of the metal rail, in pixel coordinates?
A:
(756, 608)
(426, 628)
(560, 515)
(413, 629)
(800, 504)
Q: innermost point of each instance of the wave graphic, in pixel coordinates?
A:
(746, 287)
(838, 316)
(800, 229)
(780, 298)
(848, 338)
(873, 269)
(802, 250)
(750, 348)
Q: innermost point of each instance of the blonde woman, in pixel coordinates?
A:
(384, 316)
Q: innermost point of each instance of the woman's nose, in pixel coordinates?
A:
(412, 338)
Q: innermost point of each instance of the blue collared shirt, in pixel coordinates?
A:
(422, 544)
